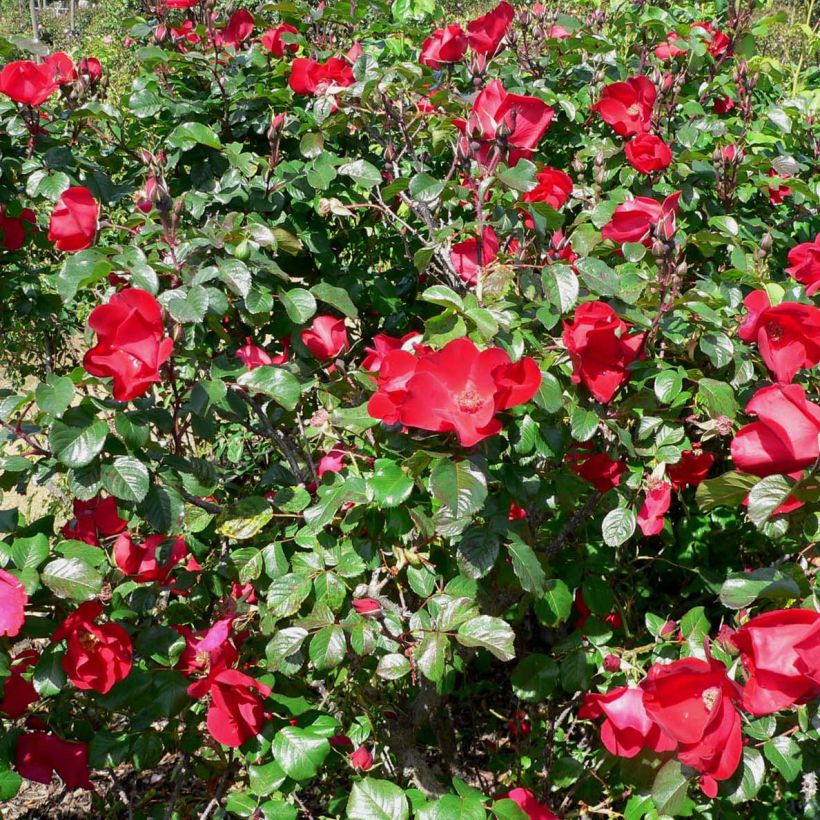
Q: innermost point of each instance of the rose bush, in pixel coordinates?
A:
(428, 409)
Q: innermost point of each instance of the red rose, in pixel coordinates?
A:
(525, 800)
(90, 67)
(238, 29)
(367, 607)
(723, 105)
(628, 106)
(97, 656)
(808, 655)
(326, 338)
(692, 468)
(516, 513)
(207, 650)
(598, 469)
(333, 461)
(804, 264)
(465, 255)
(668, 50)
(784, 438)
(558, 32)
(457, 388)
(777, 674)
(361, 759)
(13, 600)
(384, 344)
(485, 33)
(39, 755)
(601, 349)
(13, 229)
(693, 703)
(444, 45)
(309, 77)
(252, 356)
(273, 42)
(181, 4)
(647, 153)
(512, 121)
(131, 346)
(788, 335)
(236, 713)
(778, 192)
(62, 67)
(73, 224)
(554, 187)
(140, 560)
(19, 692)
(639, 219)
(718, 42)
(26, 82)
(655, 506)
(93, 519)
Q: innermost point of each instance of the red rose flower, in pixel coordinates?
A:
(808, 655)
(13, 600)
(395, 372)
(777, 674)
(13, 229)
(627, 106)
(309, 77)
(485, 33)
(27, 83)
(693, 703)
(208, 650)
(804, 264)
(723, 105)
(62, 67)
(601, 349)
(784, 438)
(238, 29)
(19, 692)
(252, 356)
(458, 388)
(627, 728)
(273, 42)
(181, 4)
(332, 462)
(558, 32)
(718, 42)
(39, 755)
(90, 67)
(384, 344)
(788, 335)
(598, 469)
(326, 338)
(368, 607)
(131, 345)
(73, 224)
(778, 192)
(692, 468)
(525, 800)
(655, 506)
(641, 218)
(97, 656)
(516, 513)
(668, 50)
(554, 187)
(465, 255)
(94, 519)
(513, 121)
(444, 45)
(361, 759)
(647, 153)
(141, 561)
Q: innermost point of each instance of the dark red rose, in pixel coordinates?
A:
(627, 106)
(784, 438)
(718, 42)
(326, 338)
(723, 105)
(777, 191)
(692, 468)
(642, 218)
(141, 560)
(73, 224)
(27, 83)
(804, 265)
(13, 229)
(309, 77)
(444, 45)
(693, 703)
(516, 513)
(598, 469)
(13, 600)
(787, 335)
(94, 519)
(772, 648)
(655, 506)
(554, 188)
(465, 255)
(361, 759)
(207, 651)
(647, 153)
(18, 691)
(131, 345)
(273, 42)
(97, 656)
(90, 67)
(62, 66)
(601, 349)
(39, 755)
(485, 33)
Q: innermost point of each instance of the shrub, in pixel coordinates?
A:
(433, 406)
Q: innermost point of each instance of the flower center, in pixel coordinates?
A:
(634, 110)
(774, 331)
(89, 640)
(469, 401)
(710, 697)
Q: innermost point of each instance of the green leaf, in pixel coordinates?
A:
(77, 446)
(126, 478)
(189, 134)
(668, 384)
(598, 277)
(526, 565)
(561, 286)
(55, 396)
(300, 752)
(393, 666)
(49, 677)
(727, 490)
(493, 634)
(618, 526)
(372, 799)
(336, 297)
(10, 782)
(431, 654)
(328, 647)
(266, 778)
(535, 678)
(459, 485)
(274, 382)
(718, 398)
(742, 590)
(555, 606)
(583, 423)
(244, 519)
(29, 552)
(72, 578)
(389, 483)
(425, 188)
(236, 275)
(521, 177)
(669, 789)
(753, 772)
(299, 304)
(444, 296)
(477, 552)
(785, 755)
(80, 270)
(362, 173)
(285, 594)
(766, 496)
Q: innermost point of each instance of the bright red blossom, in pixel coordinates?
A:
(647, 153)
(804, 265)
(62, 67)
(13, 229)
(39, 755)
(141, 560)
(525, 800)
(252, 356)
(94, 519)
(27, 83)
(627, 106)
(309, 77)
(384, 344)
(471, 256)
(598, 469)
(554, 188)
(13, 600)
(73, 223)
(444, 45)
(485, 33)
(326, 338)
(641, 218)
(777, 191)
(691, 470)
(273, 42)
(655, 506)
(19, 692)
(361, 759)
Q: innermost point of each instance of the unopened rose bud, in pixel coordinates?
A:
(367, 607)
(612, 663)
(681, 269)
(658, 248)
(668, 628)
(766, 242)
